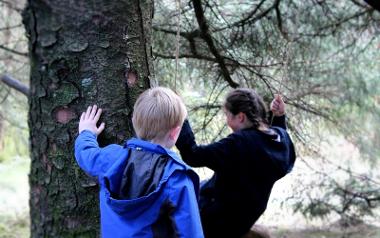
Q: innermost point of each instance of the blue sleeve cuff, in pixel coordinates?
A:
(88, 133)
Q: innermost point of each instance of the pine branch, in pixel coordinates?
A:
(10, 5)
(10, 27)
(205, 34)
(13, 51)
(15, 84)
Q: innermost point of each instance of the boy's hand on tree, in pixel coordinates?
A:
(277, 106)
(89, 119)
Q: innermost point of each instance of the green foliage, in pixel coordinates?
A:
(330, 232)
(339, 193)
(13, 145)
(323, 57)
(14, 133)
(13, 105)
(17, 227)
(14, 187)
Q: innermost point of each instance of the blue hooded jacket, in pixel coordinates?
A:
(145, 189)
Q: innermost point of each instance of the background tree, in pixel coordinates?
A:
(81, 53)
(320, 55)
(13, 61)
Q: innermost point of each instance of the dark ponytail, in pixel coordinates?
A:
(250, 103)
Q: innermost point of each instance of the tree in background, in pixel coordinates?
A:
(322, 56)
(81, 53)
(13, 61)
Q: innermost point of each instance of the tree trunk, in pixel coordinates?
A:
(81, 53)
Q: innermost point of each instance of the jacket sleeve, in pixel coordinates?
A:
(279, 121)
(90, 157)
(213, 156)
(185, 215)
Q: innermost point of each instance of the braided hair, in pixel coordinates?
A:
(246, 100)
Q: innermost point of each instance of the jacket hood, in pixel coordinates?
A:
(133, 183)
(280, 149)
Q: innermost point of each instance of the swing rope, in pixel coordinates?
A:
(178, 6)
(285, 71)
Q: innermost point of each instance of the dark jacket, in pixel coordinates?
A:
(246, 163)
(145, 189)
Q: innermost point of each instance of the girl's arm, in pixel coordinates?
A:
(213, 156)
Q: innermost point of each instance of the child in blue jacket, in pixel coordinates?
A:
(146, 190)
(246, 164)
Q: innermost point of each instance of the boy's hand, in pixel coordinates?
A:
(277, 106)
(89, 119)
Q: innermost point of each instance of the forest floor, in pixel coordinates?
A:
(14, 218)
(14, 195)
(14, 227)
(362, 231)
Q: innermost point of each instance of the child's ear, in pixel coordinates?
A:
(241, 117)
(174, 133)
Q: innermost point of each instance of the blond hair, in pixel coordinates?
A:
(156, 111)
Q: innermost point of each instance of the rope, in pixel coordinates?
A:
(286, 65)
(178, 5)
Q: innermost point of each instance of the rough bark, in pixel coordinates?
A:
(81, 53)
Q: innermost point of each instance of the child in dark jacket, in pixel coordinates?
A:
(246, 164)
(146, 190)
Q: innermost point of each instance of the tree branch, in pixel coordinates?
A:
(187, 56)
(250, 16)
(205, 107)
(190, 36)
(185, 34)
(10, 5)
(279, 20)
(13, 51)
(205, 34)
(340, 22)
(10, 27)
(15, 84)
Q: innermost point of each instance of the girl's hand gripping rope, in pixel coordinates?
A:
(277, 106)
